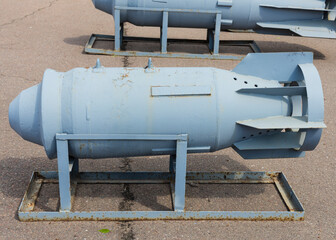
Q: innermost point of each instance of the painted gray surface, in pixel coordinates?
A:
(313, 18)
(208, 104)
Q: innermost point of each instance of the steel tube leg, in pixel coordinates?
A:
(217, 33)
(121, 34)
(63, 175)
(117, 36)
(172, 163)
(210, 38)
(164, 32)
(75, 168)
(180, 177)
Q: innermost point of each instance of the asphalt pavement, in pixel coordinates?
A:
(40, 34)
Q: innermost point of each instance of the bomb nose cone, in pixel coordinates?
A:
(24, 114)
(103, 5)
(14, 116)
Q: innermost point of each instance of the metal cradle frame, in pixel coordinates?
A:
(213, 38)
(68, 176)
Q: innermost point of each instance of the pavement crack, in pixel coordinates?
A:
(30, 14)
(127, 203)
(128, 197)
(127, 231)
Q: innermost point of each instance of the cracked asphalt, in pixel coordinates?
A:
(40, 34)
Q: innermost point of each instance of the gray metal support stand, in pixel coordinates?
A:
(64, 175)
(213, 38)
(68, 168)
(164, 32)
(68, 176)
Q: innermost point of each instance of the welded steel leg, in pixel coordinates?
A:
(121, 34)
(180, 177)
(172, 163)
(117, 36)
(164, 32)
(210, 39)
(75, 167)
(172, 169)
(217, 34)
(63, 175)
(74, 174)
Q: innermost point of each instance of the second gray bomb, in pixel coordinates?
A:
(313, 18)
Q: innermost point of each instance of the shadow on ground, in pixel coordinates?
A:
(265, 46)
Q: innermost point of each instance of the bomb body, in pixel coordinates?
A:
(215, 108)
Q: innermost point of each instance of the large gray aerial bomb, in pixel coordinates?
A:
(269, 106)
(307, 18)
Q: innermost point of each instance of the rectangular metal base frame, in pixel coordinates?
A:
(89, 48)
(295, 210)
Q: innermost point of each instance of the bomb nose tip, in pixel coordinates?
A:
(24, 114)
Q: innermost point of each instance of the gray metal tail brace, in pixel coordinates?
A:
(68, 176)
